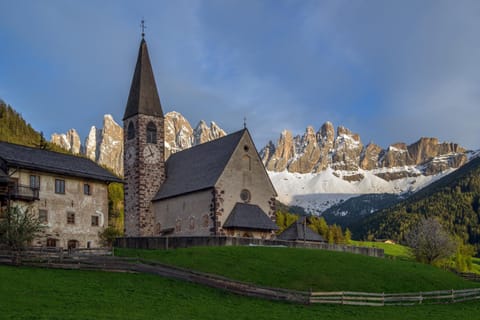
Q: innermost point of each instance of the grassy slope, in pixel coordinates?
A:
(391, 250)
(304, 269)
(27, 293)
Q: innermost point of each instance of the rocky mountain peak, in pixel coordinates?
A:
(69, 141)
(204, 133)
(105, 145)
(178, 133)
(345, 153)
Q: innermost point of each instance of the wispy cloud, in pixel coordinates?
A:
(391, 71)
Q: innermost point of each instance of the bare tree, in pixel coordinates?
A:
(429, 241)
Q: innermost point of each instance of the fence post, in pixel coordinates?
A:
(421, 298)
(453, 295)
(383, 298)
(342, 297)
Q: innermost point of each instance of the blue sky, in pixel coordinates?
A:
(389, 70)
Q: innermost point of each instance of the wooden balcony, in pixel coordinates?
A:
(24, 193)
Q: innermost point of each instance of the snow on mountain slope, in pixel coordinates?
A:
(316, 192)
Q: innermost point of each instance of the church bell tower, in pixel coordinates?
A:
(143, 148)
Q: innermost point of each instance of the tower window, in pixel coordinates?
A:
(151, 133)
(131, 131)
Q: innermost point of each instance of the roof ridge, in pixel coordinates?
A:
(230, 135)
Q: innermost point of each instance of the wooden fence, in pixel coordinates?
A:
(383, 299)
(51, 254)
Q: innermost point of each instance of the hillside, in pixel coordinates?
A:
(31, 293)
(454, 199)
(305, 269)
(14, 129)
(349, 212)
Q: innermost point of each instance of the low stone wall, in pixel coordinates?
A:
(185, 242)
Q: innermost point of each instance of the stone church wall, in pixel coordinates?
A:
(244, 171)
(186, 215)
(75, 201)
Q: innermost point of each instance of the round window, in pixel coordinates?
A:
(245, 195)
(246, 148)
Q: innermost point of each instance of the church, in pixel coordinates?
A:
(218, 188)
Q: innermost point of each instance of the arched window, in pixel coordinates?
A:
(131, 131)
(151, 133)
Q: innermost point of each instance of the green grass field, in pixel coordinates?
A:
(396, 251)
(307, 269)
(30, 293)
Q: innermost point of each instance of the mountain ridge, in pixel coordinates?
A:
(105, 145)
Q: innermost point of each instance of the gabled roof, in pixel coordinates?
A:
(299, 230)
(143, 97)
(15, 155)
(249, 216)
(198, 168)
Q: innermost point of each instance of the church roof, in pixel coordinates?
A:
(198, 168)
(299, 230)
(143, 97)
(15, 155)
(249, 216)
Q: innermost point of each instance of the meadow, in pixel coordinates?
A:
(308, 269)
(33, 293)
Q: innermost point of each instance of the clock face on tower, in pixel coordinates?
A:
(130, 155)
(151, 154)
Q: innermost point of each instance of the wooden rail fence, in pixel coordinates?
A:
(102, 260)
(382, 299)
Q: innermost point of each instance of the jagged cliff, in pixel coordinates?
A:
(345, 154)
(105, 145)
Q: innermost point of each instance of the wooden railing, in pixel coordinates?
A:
(22, 192)
(382, 299)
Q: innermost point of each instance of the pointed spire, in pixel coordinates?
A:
(143, 97)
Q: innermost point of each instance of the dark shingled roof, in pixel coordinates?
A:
(249, 216)
(143, 97)
(296, 232)
(199, 167)
(15, 155)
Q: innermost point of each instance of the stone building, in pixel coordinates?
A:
(68, 193)
(216, 188)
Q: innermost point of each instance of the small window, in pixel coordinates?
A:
(86, 189)
(34, 182)
(43, 216)
(95, 221)
(60, 186)
(89, 244)
(51, 242)
(178, 225)
(151, 133)
(245, 195)
(72, 244)
(70, 217)
(131, 131)
(192, 223)
(246, 148)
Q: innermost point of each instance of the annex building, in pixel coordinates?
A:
(217, 188)
(69, 194)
